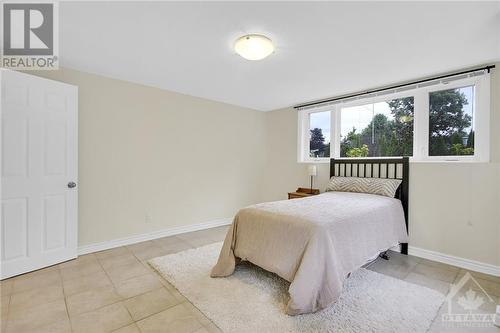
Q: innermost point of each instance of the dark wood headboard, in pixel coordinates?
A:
(395, 168)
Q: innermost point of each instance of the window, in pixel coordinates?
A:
(442, 121)
(377, 129)
(451, 122)
(319, 134)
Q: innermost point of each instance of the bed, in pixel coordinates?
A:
(316, 242)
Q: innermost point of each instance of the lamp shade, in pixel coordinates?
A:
(311, 170)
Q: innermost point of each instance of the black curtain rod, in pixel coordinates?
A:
(367, 92)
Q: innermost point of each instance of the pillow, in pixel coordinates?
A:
(380, 186)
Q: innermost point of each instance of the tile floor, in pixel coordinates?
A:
(116, 291)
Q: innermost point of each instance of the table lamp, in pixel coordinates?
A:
(312, 171)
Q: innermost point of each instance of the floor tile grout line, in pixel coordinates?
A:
(157, 272)
(74, 262)
(69, 317)
(134, 254)
(162, 287)
(8, 312)
(125, 299)
(111, 256)
(80, 276)
(98, 308)
(204, 315)
(114, 289)
(55, 300)
(436, 316)
(180, 240)
(151, 315)
(133, 323)
(120, 265)
(457, 269)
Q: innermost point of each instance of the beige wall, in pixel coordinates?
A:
(182, 160)
(454, 207)
(185, 160)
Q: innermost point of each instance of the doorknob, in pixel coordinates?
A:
(71, 184)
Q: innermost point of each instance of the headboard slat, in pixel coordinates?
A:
(402, 194)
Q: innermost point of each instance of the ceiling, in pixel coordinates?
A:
(323, 49)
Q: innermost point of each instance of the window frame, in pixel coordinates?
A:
(304, 128)
(421, 126)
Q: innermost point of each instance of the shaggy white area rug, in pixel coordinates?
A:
(253, 300)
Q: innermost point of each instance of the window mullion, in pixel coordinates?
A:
(302, 115)
(335, 133)
(421, 125)
(306, 136)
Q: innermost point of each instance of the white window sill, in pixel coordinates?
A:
(459, 161)
(448, 161)
(323, 161)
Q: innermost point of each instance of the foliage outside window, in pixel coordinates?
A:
(378, 129)
(319, 128)
(446, 121)
(451, 122)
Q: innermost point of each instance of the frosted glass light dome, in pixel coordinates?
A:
(254, 47)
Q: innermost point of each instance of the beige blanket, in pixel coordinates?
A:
(314, 243)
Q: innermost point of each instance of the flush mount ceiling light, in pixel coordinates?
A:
(254, 47)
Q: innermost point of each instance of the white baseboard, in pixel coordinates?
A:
(151, 235)
(469, 264)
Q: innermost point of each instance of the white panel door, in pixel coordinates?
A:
(39, 151)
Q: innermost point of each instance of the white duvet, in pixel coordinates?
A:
(314, 242)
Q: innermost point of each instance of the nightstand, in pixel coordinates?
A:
(302, 193)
